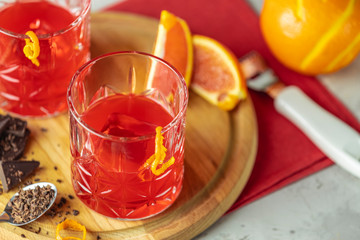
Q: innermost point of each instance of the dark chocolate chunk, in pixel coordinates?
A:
(12, 147)
(4, 122)
(23, 236)
(13, 137)
(17, 127)
(71, 197)
(13, 173)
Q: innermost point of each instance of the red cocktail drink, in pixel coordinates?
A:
(62, 29)
(115, 114)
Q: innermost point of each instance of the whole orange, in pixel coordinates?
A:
(312, 36)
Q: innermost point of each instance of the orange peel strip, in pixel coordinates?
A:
(159, 156)
(32, 47)
(70, 224)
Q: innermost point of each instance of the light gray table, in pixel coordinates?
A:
(323, 206)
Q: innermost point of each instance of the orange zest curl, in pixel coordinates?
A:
(32, 47)
(158, 157)
(70, 224)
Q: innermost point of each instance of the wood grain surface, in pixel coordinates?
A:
(220, 150)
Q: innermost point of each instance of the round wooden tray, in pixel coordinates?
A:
(220, 150)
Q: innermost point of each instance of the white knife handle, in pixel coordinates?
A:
(333, 137)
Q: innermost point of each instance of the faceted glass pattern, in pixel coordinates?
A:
(108, 173)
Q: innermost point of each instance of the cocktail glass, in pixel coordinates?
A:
(63, 33)
(127, 125)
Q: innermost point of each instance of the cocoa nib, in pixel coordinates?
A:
(29, 204)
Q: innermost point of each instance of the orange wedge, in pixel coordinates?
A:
(174, 44)
(216, 74)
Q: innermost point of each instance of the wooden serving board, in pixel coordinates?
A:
(220, 149)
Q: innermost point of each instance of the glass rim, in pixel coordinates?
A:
(166, 128)
(84, 11)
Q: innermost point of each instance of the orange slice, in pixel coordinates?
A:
(174, 44)
(216, 74)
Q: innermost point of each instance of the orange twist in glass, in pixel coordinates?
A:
(32, 48)
(159, 156)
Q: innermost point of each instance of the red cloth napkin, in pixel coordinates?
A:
(284, 153)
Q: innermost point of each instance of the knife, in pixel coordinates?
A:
(333, 137)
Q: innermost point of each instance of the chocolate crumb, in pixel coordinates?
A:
(71, 197)
(36, 179)
(98, 238)
(23, 236)
(43, 129)
(67, 213)
(62, 202)
(38, 231)
(75, 212)
(51, 212)
(55, 168)
(59, 180)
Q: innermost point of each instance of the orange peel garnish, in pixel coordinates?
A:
(70, 224)
(159, 156)
(32, 47)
